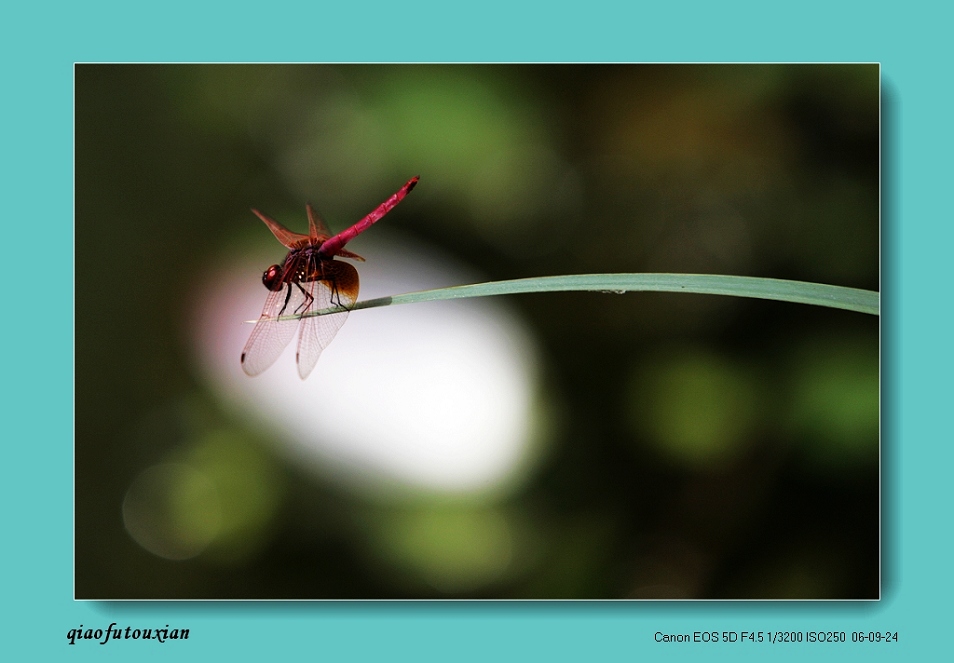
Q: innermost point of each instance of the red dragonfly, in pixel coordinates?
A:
(309, 279)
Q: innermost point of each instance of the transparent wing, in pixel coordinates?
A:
(339, 287)
(271, 334)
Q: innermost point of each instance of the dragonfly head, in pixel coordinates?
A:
(272, 278)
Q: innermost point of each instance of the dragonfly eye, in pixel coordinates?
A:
(272, 278)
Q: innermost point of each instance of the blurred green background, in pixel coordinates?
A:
(693, 446)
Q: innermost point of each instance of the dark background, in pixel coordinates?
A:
(705, 447)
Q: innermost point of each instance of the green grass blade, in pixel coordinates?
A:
(852, 299)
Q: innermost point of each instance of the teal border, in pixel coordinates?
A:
(42, 43)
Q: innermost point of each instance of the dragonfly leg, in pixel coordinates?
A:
(335, 294)
(308, 299)
(287, 297)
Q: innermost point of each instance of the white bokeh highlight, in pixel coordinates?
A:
(436, 396)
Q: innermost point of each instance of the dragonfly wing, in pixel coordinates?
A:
(274, 330)
(288, 238)
(317, 228)
(339, 287)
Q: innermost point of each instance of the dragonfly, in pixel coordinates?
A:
(308, 280)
